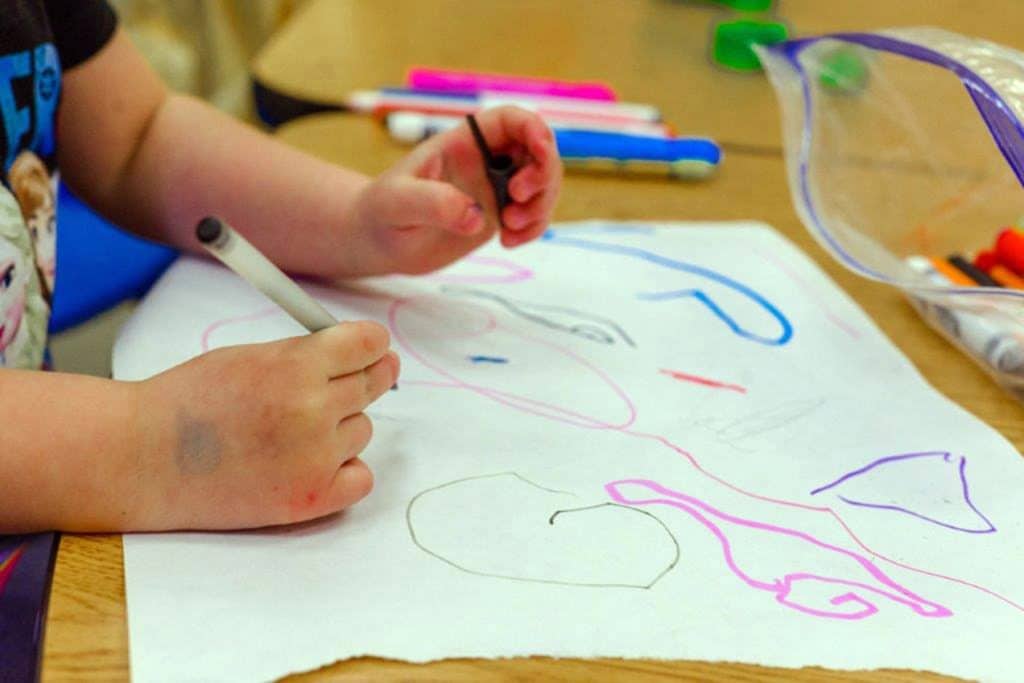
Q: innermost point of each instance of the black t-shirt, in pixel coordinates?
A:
(39, 40)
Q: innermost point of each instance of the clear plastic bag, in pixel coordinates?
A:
(908, 143)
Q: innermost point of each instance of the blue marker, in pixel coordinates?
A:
(601, 150)
(592, 149)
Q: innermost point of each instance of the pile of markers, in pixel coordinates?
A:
(594, 131)
(1000, 266)
(992, 334)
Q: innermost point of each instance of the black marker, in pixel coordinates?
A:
(499, 168)
(969, 269)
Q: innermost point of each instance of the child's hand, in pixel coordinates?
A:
(262, 434)
(436, 205)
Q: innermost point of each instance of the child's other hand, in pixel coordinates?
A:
(436, 205)
(262, 434)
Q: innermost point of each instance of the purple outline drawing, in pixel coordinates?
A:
(783, 587)
(945, 455)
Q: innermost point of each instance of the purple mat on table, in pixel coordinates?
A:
(26, 570)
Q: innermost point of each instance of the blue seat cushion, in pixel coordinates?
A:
(98, 264)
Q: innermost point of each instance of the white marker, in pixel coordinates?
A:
(985, 339)
(411, 127)
(240, 256)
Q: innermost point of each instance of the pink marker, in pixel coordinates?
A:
(423, 78)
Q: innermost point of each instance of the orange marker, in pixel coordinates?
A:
(1006, 277)
(951, 273)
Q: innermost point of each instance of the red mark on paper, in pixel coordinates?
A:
(682, 376)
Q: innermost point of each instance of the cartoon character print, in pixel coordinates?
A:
(31, 184)
(24, 313)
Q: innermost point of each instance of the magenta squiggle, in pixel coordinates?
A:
(831, 513)
(782, 587)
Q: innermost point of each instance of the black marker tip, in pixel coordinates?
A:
(481, 143)
(209, 229)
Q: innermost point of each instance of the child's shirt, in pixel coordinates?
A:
(39, 40)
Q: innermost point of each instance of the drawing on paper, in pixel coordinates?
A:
(585, 325)
(854, 594)
(505, 526)
(848, 596)
(703, 381)
(930, 486)
(708, 275)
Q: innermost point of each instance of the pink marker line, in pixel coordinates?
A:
(675, 374)
(204, 340)
(783, 587)
(811, 291)
(521, 403)
(507, 272)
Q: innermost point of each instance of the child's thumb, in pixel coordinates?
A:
(432, 203)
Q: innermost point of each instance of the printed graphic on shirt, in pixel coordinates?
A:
(24, 313)
(29, 93)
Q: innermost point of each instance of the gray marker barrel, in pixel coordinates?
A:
(986, 340)
(221, 240)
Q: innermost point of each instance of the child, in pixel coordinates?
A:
(244, 436)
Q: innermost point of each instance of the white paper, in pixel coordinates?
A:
(680, 442)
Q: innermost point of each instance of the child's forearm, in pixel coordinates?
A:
(197, 161)
(155, 163)
(71, 453)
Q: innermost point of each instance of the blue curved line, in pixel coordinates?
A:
(644, 255)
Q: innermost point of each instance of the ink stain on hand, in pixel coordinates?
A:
(199, 447)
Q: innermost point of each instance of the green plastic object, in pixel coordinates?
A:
(733, 41)
(746, 5)
(843, 70)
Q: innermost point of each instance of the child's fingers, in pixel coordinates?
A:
(518, 217)
(510, 239)
(529, 182)
(517, 128)
(351, 483)
(414, 202)
(354, 434)
(351, 394)
(350, 346)
(508, 126)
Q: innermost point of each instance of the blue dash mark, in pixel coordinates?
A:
(489, 359)
(786, 328)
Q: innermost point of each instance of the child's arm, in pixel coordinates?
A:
(240, 437)
(157, 162)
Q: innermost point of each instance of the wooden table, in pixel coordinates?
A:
(335, 46)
